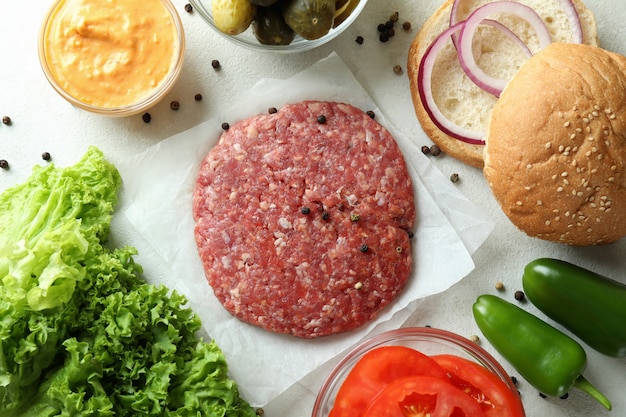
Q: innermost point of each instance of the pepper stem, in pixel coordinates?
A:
(582, 384)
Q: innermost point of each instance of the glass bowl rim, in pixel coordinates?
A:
(134, 108)
(300, 46)
(407, 334)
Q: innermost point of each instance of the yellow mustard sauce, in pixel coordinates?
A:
(110, 53)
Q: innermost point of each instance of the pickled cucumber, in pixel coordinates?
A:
(310, 19)
(344, 8)
(263, 3)
(270, 28)
(233, 16)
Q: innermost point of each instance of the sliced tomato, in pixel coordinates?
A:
(377, 369)
(422, 396)
(494, 397)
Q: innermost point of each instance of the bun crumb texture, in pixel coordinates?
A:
(556, 146)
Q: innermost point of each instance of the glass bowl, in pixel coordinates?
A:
(429, 341)
(87, 18)
(299, 44)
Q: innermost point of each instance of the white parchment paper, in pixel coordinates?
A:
(156, 214)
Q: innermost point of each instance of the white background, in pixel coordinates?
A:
(42, 121)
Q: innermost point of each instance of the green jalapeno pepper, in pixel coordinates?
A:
(589, 305)
(547, 358)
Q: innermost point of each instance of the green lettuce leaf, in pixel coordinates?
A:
(81, 333)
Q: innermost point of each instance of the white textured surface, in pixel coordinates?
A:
(42, 121)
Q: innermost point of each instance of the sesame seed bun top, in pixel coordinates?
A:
(555, 156)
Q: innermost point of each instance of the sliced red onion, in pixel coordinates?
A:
(424, 83)
(508, 32)
(468, 63)
(574, 20)
(454, 19)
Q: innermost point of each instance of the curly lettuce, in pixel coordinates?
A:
(81, 333)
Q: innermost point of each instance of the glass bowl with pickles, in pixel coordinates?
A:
(279, 25)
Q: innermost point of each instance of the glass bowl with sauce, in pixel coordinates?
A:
(114, 58)
(427, 341)
(271, 35)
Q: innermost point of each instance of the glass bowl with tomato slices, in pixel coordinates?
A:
(418, 371)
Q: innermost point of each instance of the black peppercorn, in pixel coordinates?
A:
(215, 64)
(371, 114)
(406, 26)
(435, 150)
(397, 69)
(382, 28)
(321, 119)
(146, 117)
(425, 150)
(188, 8)
(272, 110)
(411, 234)
(305, 210)
(454, 177)
(383, 37)
(363, 248)
(519, 295)
(542, 395)
(174, 105)
(359, 40)
(225, 126)
(198, 97)
(325, 215)
(4, 164)
(45, 156)
(6, 120)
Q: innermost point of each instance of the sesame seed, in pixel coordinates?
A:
(564, 174)
(527, 188)
(519, 203)
(595, 113)
(547, 222)
(548, 145)
(557, 218)
(561, 148)
(572, 136)
(585, 120)
(612, 117)
(566, 124)
(529, 166)
(539, 203)
(559, 190)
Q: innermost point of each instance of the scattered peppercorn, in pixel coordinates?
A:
(272, 110)
(260, 411)
(371, 114)
(382, 28)
(411, 234)
(363, 248)
(514, 379)
(355, 217)
(225, 126)
(45, 156)
(406, 26)
(198, 97)
(425, 150)
(435, 150)
(174, 105)
(474, 338)
(4, 164)
(454, 177)
(305, 210)
(6, 120)
(397, 69)
(216, 64)
(325, 215)
(499, 285)
(542, 395)
(394, 17)
(359, 39)
(188, 8)
(564, 396)
(358, 285)
(519, 295)
(321, 119)
(383, 37)
(146, 117)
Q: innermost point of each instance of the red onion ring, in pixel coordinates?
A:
(574, 20)
(424, 83)
(468, 63)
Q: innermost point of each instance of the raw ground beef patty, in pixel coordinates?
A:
(303, 219)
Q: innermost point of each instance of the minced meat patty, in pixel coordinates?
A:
(303, 219)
